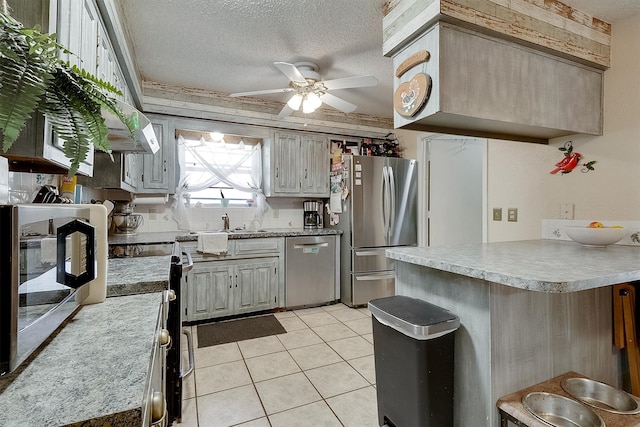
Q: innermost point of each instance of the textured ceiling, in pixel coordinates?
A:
(230, 45)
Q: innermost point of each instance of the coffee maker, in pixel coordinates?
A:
(312, 214)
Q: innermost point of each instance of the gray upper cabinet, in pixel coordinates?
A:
(157, 173)
(76, 24)
(120, 174)
(296, 165)
(490, 87)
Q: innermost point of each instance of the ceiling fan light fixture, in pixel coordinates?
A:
(295, 101)
(313, 100)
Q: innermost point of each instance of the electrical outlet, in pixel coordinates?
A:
(275, 213)
(497, 214)
(566, 211)
(512, 214)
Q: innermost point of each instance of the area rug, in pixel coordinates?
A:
(238, 330)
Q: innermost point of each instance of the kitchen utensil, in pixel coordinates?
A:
(598, 237)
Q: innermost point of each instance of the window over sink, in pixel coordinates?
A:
(219, 169)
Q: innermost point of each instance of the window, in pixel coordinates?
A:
(221, 170)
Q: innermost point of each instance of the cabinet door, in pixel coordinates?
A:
(130, 169)
(158, 170)
(287, 165)
(315, 165)
(78, 24)
(209, 291)
(255, 287)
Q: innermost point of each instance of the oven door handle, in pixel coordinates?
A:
(189, 265)
(185, 374)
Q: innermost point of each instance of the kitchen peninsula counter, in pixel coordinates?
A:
(536, 265)
(92, 373)
(529, 311)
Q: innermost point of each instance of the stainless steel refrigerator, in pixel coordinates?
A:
(380, 211)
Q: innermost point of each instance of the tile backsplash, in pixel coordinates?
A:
(555, 229)
(286, 213)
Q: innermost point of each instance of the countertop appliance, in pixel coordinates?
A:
(380, 211)
(311, 265)
(52, 259)
(312, 214)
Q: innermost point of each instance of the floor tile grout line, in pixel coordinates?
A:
(253, 383)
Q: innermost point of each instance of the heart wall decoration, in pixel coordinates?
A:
(410, 96)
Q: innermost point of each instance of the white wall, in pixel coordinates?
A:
(613, 190)
(518, 173)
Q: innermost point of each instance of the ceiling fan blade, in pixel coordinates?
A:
(350, 82)
(337, 103)
(291, 71)
(285, 112)
(261, 92)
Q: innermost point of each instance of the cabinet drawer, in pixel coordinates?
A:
(258, 246)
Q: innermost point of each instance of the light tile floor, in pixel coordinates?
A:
(320, 373)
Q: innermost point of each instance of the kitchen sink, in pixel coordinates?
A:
(560, 411)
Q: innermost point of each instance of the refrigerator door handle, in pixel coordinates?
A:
(310, 245)
(385, 202)
(367, 253)
(392, 193)
(374, 276)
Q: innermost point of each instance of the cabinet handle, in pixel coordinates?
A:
(277, 172)
(230, 282)
(306, 173)
(236, 280)
(165, 166)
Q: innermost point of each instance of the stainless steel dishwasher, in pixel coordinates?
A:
(311, 266)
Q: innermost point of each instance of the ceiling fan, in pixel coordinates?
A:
(309, 91)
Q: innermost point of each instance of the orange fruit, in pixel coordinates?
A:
(596, 224)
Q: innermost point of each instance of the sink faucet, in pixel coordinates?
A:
(225, 220)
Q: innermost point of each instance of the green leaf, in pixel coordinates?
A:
(24, 76)
(33, 77)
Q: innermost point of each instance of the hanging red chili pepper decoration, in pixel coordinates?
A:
(571, 160)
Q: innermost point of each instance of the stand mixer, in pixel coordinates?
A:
(124, 220)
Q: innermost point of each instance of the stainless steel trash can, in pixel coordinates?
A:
(413, 344)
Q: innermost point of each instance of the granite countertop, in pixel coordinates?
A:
(94, 367)
(148, 238)
(129, 276)
(284, 232)
(168, 237)
(537, 265)
(512, 404)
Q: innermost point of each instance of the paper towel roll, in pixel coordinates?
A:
(150, 200)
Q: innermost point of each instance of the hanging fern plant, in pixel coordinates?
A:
(34, 79)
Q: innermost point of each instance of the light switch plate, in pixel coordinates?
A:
(497, 214)
(512, 214)
(566, 211)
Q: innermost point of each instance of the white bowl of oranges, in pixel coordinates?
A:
(596, 234)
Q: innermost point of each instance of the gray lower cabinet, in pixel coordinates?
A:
(224, 288)
(246, 279)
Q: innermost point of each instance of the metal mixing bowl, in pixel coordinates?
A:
(127, 223)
